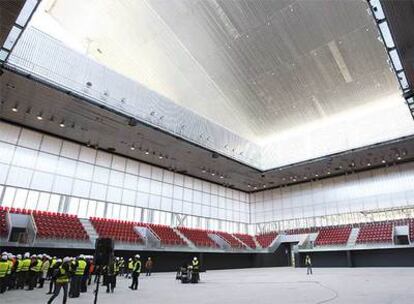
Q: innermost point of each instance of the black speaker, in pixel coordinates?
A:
(104, 251)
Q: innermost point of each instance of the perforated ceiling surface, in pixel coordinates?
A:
(255, 67)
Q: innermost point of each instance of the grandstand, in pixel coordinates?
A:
(247, 134)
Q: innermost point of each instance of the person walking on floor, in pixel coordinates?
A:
(53, 274)
(44, 270)
(135, 272)
(148, 266)
(4, 266)
(62, 280)
(308, 264)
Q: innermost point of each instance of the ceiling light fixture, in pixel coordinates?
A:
(146, 152)
(160, 157)
(221, 176)
(39, 116)
(203, 170)
(62, 124)
(15, 109)
(383, 161)
(369, 164)
(212, 173)
(132, 148)
(316, 175)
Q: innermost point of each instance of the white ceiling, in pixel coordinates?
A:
(256, 68)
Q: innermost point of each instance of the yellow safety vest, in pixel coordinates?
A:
(62, 277)
(53, 262)
(37, 267)
(4, 266)
(137, 267)
(26, 265)
(80, 270)
(9, 270)
(195, 265)
(19, 265)
(131, 265)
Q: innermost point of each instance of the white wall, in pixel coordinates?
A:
(35, 161)
(379, 188)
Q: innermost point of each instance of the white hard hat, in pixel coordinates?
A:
(40, 256)
(19, 256)
(26, 255)
(59, 261)
(195, 258)
(33, 256)
(137, 256)
(117, 259)
(4, 257)
(66, 259)
(4, 252)
(82, 256)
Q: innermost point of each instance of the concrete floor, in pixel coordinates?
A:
(269, 285)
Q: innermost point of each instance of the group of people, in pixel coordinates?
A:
(70, 274)
(189, 273)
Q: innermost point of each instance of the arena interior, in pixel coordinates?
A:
(231, 151)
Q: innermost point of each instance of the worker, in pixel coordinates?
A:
(19, 272)
(62, 280)
(4, 265)
(53, 273)
(148, 266)
(195, 271)
(121, 266)
(78, 267)
(85, 276)
(52, 263)
(91, 269)
(44, 270)
(10, 275)
(308, 264)
(136, 272)
(130, 268)
(110, 273)
(25, 270)
(34, 270)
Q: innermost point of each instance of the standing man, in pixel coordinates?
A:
(4, 266)
(19, 272)
(62, 280)
(79, 269)
(130, 267)
(34, 270)
(196, 270)
(25, 270)
(135, 272)
(148, 266)
(44, 271)
(53, 275)
(308, 264)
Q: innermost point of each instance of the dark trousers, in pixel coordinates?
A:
(3, 285)
(58, 287)
(20, 278)
(41, 282)
(309, 269)
(148, 272)
(83, 283)
(75, 286)
(52, 285)
(135, 277)
(110, 283)
(32, 279)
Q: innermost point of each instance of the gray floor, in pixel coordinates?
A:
(270, 285)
